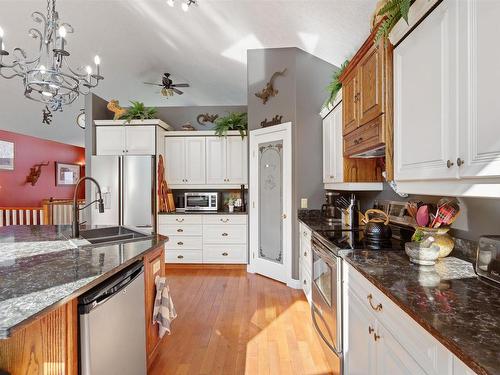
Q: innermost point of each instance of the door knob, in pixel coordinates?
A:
(449, 163)
(460, 162)
(376, 337)
(370, 330)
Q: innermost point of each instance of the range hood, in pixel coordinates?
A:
(370, 154)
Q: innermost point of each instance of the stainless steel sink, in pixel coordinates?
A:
(110, 234)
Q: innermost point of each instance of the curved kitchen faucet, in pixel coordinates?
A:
(76, 224)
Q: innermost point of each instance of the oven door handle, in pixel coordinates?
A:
(313, 311)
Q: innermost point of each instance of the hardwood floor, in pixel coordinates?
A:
(231, 322)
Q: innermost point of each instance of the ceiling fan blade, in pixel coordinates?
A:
(154, 84)
(181, 85)
(177, 91)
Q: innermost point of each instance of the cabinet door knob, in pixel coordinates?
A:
(180, 243)
(180, 230)
(460, 162)
(376, 337)
(225, 254)
(305, 253)
(370, 330)
(305, 282)
(360, 139)
(369, 297)
(180, 257)
(449, 163)
(224, 234)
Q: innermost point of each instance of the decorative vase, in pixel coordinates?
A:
(440, 237)
(231, 208)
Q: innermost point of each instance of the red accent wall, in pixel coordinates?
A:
(15, 192)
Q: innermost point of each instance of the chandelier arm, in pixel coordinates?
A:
(81, 76)
(11, 76)
(36, 34)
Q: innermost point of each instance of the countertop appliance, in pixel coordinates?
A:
(201, 201)
(328, 210)
(488, 258)
(128, 186)
(112, 325)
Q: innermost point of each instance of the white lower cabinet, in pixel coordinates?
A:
(220, 239)
(380, 338)
(305, 260)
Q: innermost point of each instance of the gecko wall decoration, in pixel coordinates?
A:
(35, 173)
(274, 121)
(203, 118)
(269, 91)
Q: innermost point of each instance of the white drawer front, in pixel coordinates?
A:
(184, 242)
(183, 256)
(225, 254)
(179, 219)
(225, 219)
(180, 230)
(225, 234)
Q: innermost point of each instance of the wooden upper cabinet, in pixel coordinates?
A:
(349, 100)
(370, 78)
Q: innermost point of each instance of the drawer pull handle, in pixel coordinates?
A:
(225, 254)
(180, 256)
(370, 330)
(179, 220)
(305, 282)
(224, 234)
(305, 234)
(305, 253)
(376, 337)
(180, 243)
(180, 230)
(224, 220)
(376, 308)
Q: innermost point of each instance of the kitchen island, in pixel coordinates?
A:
(42, 272)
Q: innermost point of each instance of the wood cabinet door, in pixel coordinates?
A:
(175, 160)
(140, 140)
(237, 160)
(359, 348)
(153, 266)
(216, 160)
(392, 358)
(370, 84)
(110, 140)
(479, 80)
(195, 160)
(425, 99)
(349, 101)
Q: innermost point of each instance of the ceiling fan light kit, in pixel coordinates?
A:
(168, 87)
(47, 76)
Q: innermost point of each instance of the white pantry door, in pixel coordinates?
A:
(271, 202)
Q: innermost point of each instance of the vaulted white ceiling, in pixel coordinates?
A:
(206, 47)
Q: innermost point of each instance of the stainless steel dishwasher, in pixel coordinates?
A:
(112, 326)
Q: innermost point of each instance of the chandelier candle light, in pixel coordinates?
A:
(48, 76)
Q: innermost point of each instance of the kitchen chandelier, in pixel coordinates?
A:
(185, 5)
(47, 76)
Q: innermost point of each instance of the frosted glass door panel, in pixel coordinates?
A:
(271, 201)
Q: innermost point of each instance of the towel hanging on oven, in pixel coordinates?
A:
(164, 310)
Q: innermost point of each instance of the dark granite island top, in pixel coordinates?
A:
(41, 269)
(461, 311)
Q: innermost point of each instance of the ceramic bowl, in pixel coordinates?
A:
(425, 256)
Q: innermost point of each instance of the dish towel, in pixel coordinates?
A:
(164, 310)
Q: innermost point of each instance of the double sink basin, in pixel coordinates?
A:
(111, 234)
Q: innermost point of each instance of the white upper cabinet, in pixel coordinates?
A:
(110, 140)
(446, 110)
(216, 160)
(332, 147)
(125, 140)
(425, 100)
(175, 160)
(237, 160)
(479, 79)
(195, 160)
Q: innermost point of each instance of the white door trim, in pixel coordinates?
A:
(286, 135)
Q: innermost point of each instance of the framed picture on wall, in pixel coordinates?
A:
(67, 174)
(6, 155)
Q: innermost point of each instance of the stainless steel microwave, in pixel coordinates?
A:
(201, 201)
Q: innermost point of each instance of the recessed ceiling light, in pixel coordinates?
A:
(170, 3)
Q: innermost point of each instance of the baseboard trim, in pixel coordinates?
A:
(170, 266)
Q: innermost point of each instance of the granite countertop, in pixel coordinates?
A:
(314, 220)
(41, 268)
(448, 300)
(202, 213)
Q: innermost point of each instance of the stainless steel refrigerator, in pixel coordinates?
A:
(128, 189)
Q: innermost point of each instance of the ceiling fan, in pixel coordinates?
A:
(168, 87)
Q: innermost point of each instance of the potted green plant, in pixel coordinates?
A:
(335, 85)
(233, 121)
(392, 12)
(230, 201)
(138, 111)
